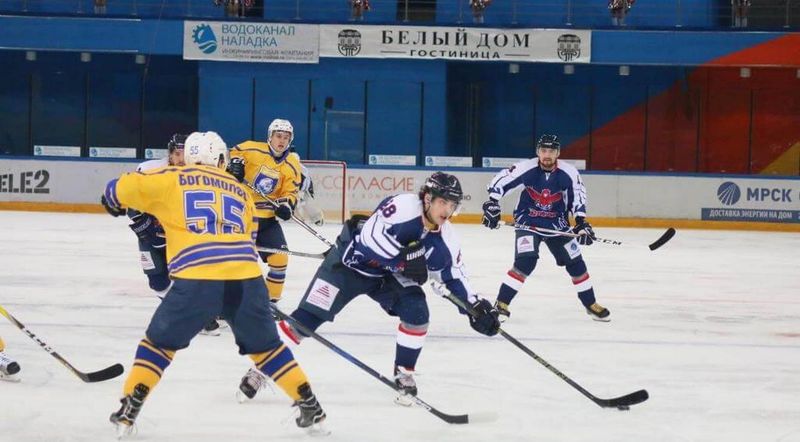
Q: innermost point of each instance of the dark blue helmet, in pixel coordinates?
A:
(548, 141)
(176, 142)
(443, 185)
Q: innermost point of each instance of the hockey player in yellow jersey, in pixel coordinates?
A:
(274, 170)
(208, 218)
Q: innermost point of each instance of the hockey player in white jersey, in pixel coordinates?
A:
(388, 257)
(552, 190)
(152, 243)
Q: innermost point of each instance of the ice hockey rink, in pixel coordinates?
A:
(709, 325)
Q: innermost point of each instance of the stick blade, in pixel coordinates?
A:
(457, 419)
(663, 240)
(104, 374)
(623, 402)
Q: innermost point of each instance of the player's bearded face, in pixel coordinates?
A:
(176, 158)
(279, 141)
(547, 157)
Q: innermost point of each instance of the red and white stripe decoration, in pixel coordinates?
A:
(514, 280)
(409, 338)
(582, 283)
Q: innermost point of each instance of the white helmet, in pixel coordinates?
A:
(280, 125)
(205, 148)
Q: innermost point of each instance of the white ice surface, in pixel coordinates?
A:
(709, 325)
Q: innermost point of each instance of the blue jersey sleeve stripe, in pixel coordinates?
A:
(111, 193)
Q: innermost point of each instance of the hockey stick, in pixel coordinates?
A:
(296, 218)
(449, 418)
(97, 376)
(666, 236)
(620, 403)
(293, 253)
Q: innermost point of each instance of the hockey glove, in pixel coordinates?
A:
(484, 318)
(415, 265)
(145, 227)
(491, 214)
(110, 208)
(283, 210)
(236, 168)
(584, 229)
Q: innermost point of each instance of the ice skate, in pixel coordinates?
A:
(312, 416)
(125, 418)
(502, 310)
(9, 368)
(598, 312)
(407, 386)
(211, 329)
(253, 381)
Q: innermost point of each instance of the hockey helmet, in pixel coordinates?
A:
(206, 148)
(280, 125)
(178, 141)
(443, 185)
(548, 141)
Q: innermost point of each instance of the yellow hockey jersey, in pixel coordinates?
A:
(208, 217)
(276, 177)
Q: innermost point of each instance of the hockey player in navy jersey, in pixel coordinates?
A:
(150, 234)
(551, 190)
(388, 257)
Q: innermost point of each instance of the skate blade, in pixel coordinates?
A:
(10, 378)
(595, 318)
(242, 398)
(124, 431)
(403, 400)
(318, 430)
(210, 332)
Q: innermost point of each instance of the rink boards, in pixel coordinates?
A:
(614, 199)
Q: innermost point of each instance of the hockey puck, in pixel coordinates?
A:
(623, 407)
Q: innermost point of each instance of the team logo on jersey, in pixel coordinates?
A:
(729, 193)
(569, 47)
(203, 36)
(266, 180)
(544, 199)
(349, 42)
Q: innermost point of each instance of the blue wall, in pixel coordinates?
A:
(389, 106)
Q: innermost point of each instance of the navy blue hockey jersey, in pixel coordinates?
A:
(547, 197)
(396, 223)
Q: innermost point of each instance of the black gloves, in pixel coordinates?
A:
(283, 209)
(584, 229)
(145, 227)
(236, 168)
(491, 214)
(416, 264)
(484, 318)
(112, 210)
